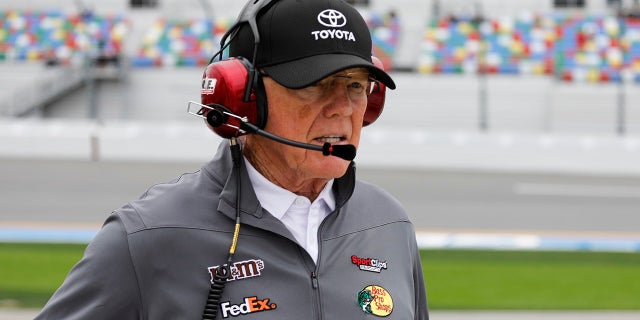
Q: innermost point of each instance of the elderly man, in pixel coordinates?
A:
(276, 226)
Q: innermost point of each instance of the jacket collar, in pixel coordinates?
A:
(222, 168)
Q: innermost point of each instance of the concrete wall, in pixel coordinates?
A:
(381, 147)
(518, 104)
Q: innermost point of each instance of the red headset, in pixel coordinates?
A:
(223, 88)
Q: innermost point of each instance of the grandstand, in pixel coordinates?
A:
(577, 62)
(595, 48)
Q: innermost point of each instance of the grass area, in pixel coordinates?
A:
(456, 279)
(30, 273)
(505, 280)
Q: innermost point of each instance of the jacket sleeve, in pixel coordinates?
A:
(102, 285)
(422, 309)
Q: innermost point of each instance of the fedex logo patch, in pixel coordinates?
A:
(250, 305)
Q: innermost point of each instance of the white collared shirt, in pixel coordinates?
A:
(301, 216)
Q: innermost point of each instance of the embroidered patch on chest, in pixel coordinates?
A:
(248, 306)
(241, 269)
(369, 264)
(375, 300)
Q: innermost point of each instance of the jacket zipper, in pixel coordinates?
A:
(314, 284)
(314, 274)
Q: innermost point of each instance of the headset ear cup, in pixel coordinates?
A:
(375, 104)
(375, 100)
(223, 86)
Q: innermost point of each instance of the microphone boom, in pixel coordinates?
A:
(216, 117)
(346, 152)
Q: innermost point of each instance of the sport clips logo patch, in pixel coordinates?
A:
(369, 264)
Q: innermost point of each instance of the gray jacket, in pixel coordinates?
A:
(153, 257)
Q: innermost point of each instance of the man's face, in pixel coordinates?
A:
(329, 111)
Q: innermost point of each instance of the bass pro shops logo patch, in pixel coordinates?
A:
(375, 300)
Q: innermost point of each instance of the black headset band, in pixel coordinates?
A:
(249, 15)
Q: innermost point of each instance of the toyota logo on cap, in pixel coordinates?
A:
(332, 18)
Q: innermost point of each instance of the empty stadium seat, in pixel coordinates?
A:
(180, 43)
(60, 37)
(192, 42)
(596, 48)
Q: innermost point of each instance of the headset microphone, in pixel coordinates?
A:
(217, 116)
(346, 152)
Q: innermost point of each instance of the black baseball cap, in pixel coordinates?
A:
(303, 41)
